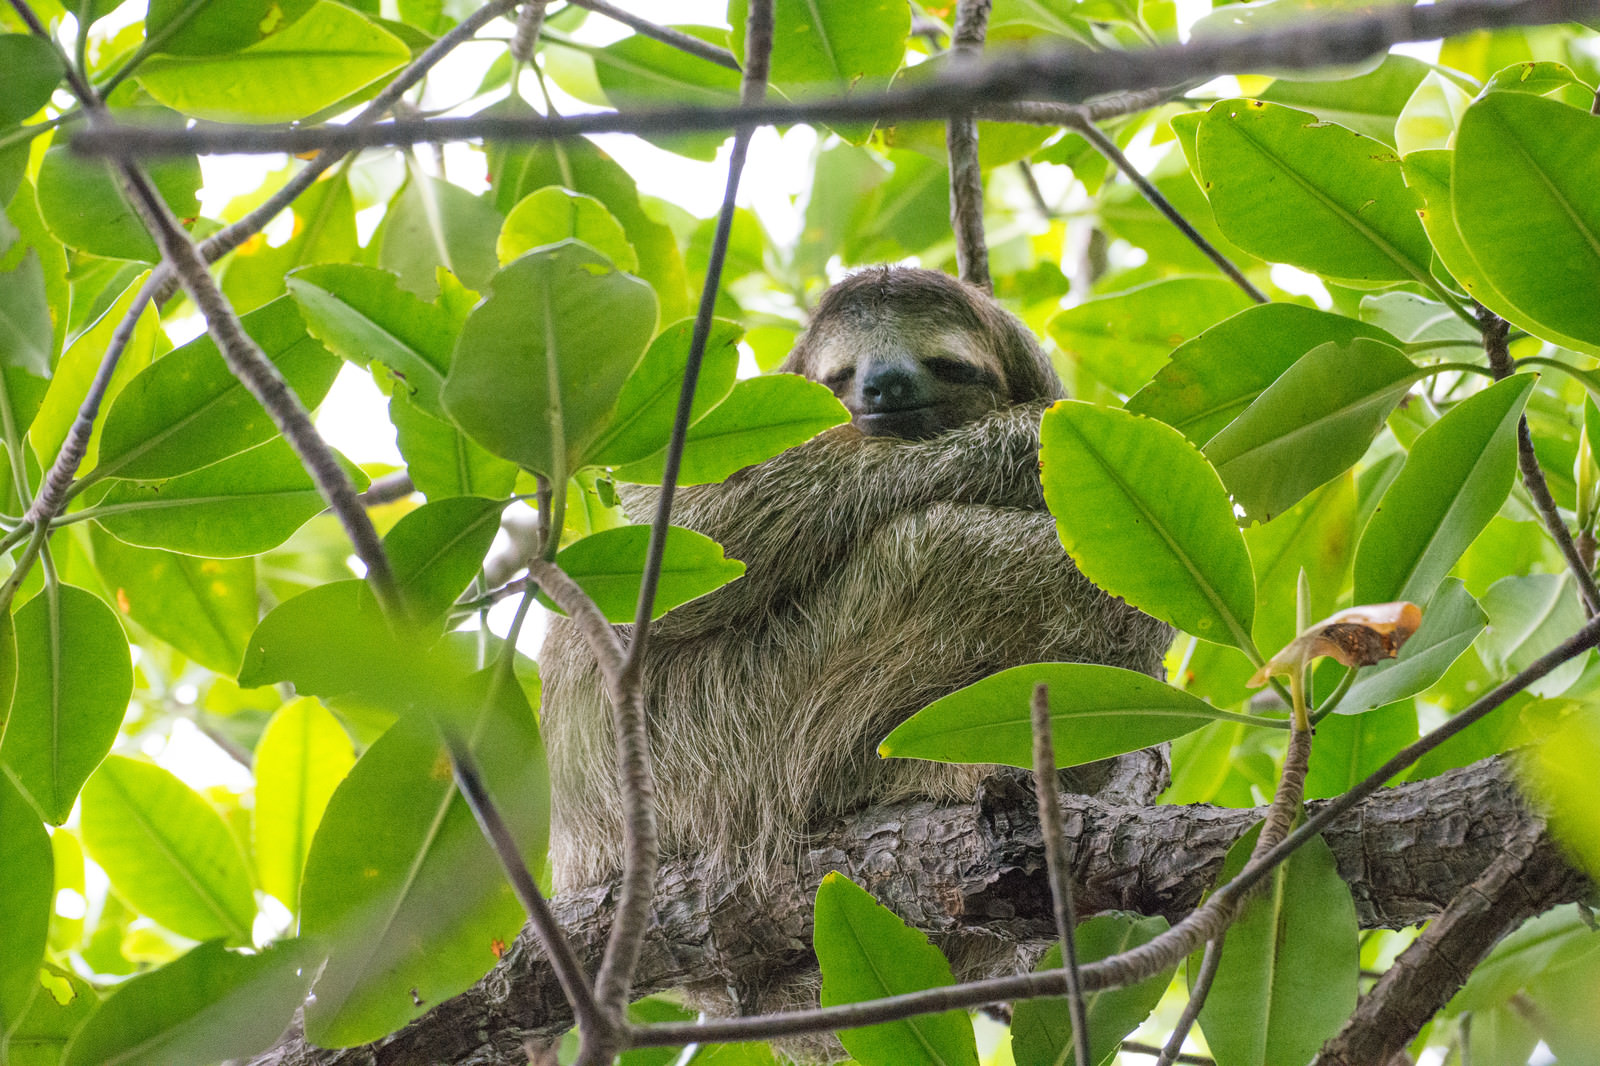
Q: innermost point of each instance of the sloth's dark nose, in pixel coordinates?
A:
(890, 387)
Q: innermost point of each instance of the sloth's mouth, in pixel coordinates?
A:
(911, 423)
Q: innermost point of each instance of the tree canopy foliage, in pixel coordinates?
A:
(1331, 338)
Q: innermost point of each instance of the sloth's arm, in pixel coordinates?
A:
(794, 518)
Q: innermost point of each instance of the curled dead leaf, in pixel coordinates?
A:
(1356, 636)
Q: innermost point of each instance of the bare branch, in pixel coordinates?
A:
(603, 639)
(665, 34)
(387, 489)
(1063, 75)
(1055, 847)
(1173, 1051)
(1495, 345)
(530, 20)
(961, 142)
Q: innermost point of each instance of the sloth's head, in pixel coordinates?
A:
(913, 353)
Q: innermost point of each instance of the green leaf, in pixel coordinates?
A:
(74, 677)
(187, 410)
(1294, 190)
(1540, 945)
(1287, 977)
(82, 200)
(638, 72)
(168, 852)
(1125, 338)
(554, 214)
(27, 893)
(648, 403)
(1430, 117)
(1528, 213)
(437, 549)
(1146, 518)
(1560, 771)
(1529, 615)
(211, 1004)
(433, 224)
(330, 641)
(1317, 537)
(241, 506)
(206, 608)
(1451, 622)
(1310, 425)
(413, 907)
(26, 341)
(1368, 104)
(300, 759)
(187, 27)
(1041, 1029)
(609, 566)
(1217, 375)
(61, 1003)
(33, 70)
(1351, 747)
(760, 418)
(319, 59)
(867, 952)
(443, 461)
(77, 369)
(323, 230)
(1457, 476)
(577, 164)
(539, 363)
(1095, 712)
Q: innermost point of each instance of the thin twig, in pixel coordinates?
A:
(598, 633)
(387, 489)
(1496, 347)
(961, 143)
(1062, 75)
(1206, 922)
(1172, 1052)
(1108, 148)
(53, 493)
(530, 20)
(665, 34)
(1150, 1049)
(1038, 113)
(1045, 781)
(640, 840)
(1035, 193)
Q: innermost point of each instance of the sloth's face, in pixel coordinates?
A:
(901, 379)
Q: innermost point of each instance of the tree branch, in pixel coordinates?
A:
(665, 34)
(961, 143)
(1055, 848)
(1064, 75)
(1406, 853)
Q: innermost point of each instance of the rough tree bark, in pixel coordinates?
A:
(1406, 854)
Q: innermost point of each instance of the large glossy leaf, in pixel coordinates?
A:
(1287, 978)
(183, 27)
(1451, 622)
(25, 331)
(324, 56)
(74, 678)
(58, 1010)
(364, 315)
(1430, 117)
(1146, 518)
(442, 460)
(1458, 474)
(640, 72)
(206, 608)
(1125, 338)
(82, 200)
(414, 907)
(760, 418)
(830, 45)
(1315, 537)
(302, 756)
(1095, 712)
(79, 363)
(1289, 188)
(553, 214)
(438, 549)
(538, 366)
(1526, 210)
(1041, 1029)
(642, 423)
(867, 952)
(241, 506)
(609, 565)
(1217, 375)
(167, 851)
(27, 890)
(187, 410)
(332, 641)
(431, 224)
(323, 231)
(1310, 425)
(209, 1005)
(1351, 747)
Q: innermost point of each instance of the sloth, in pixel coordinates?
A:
(889, 562)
